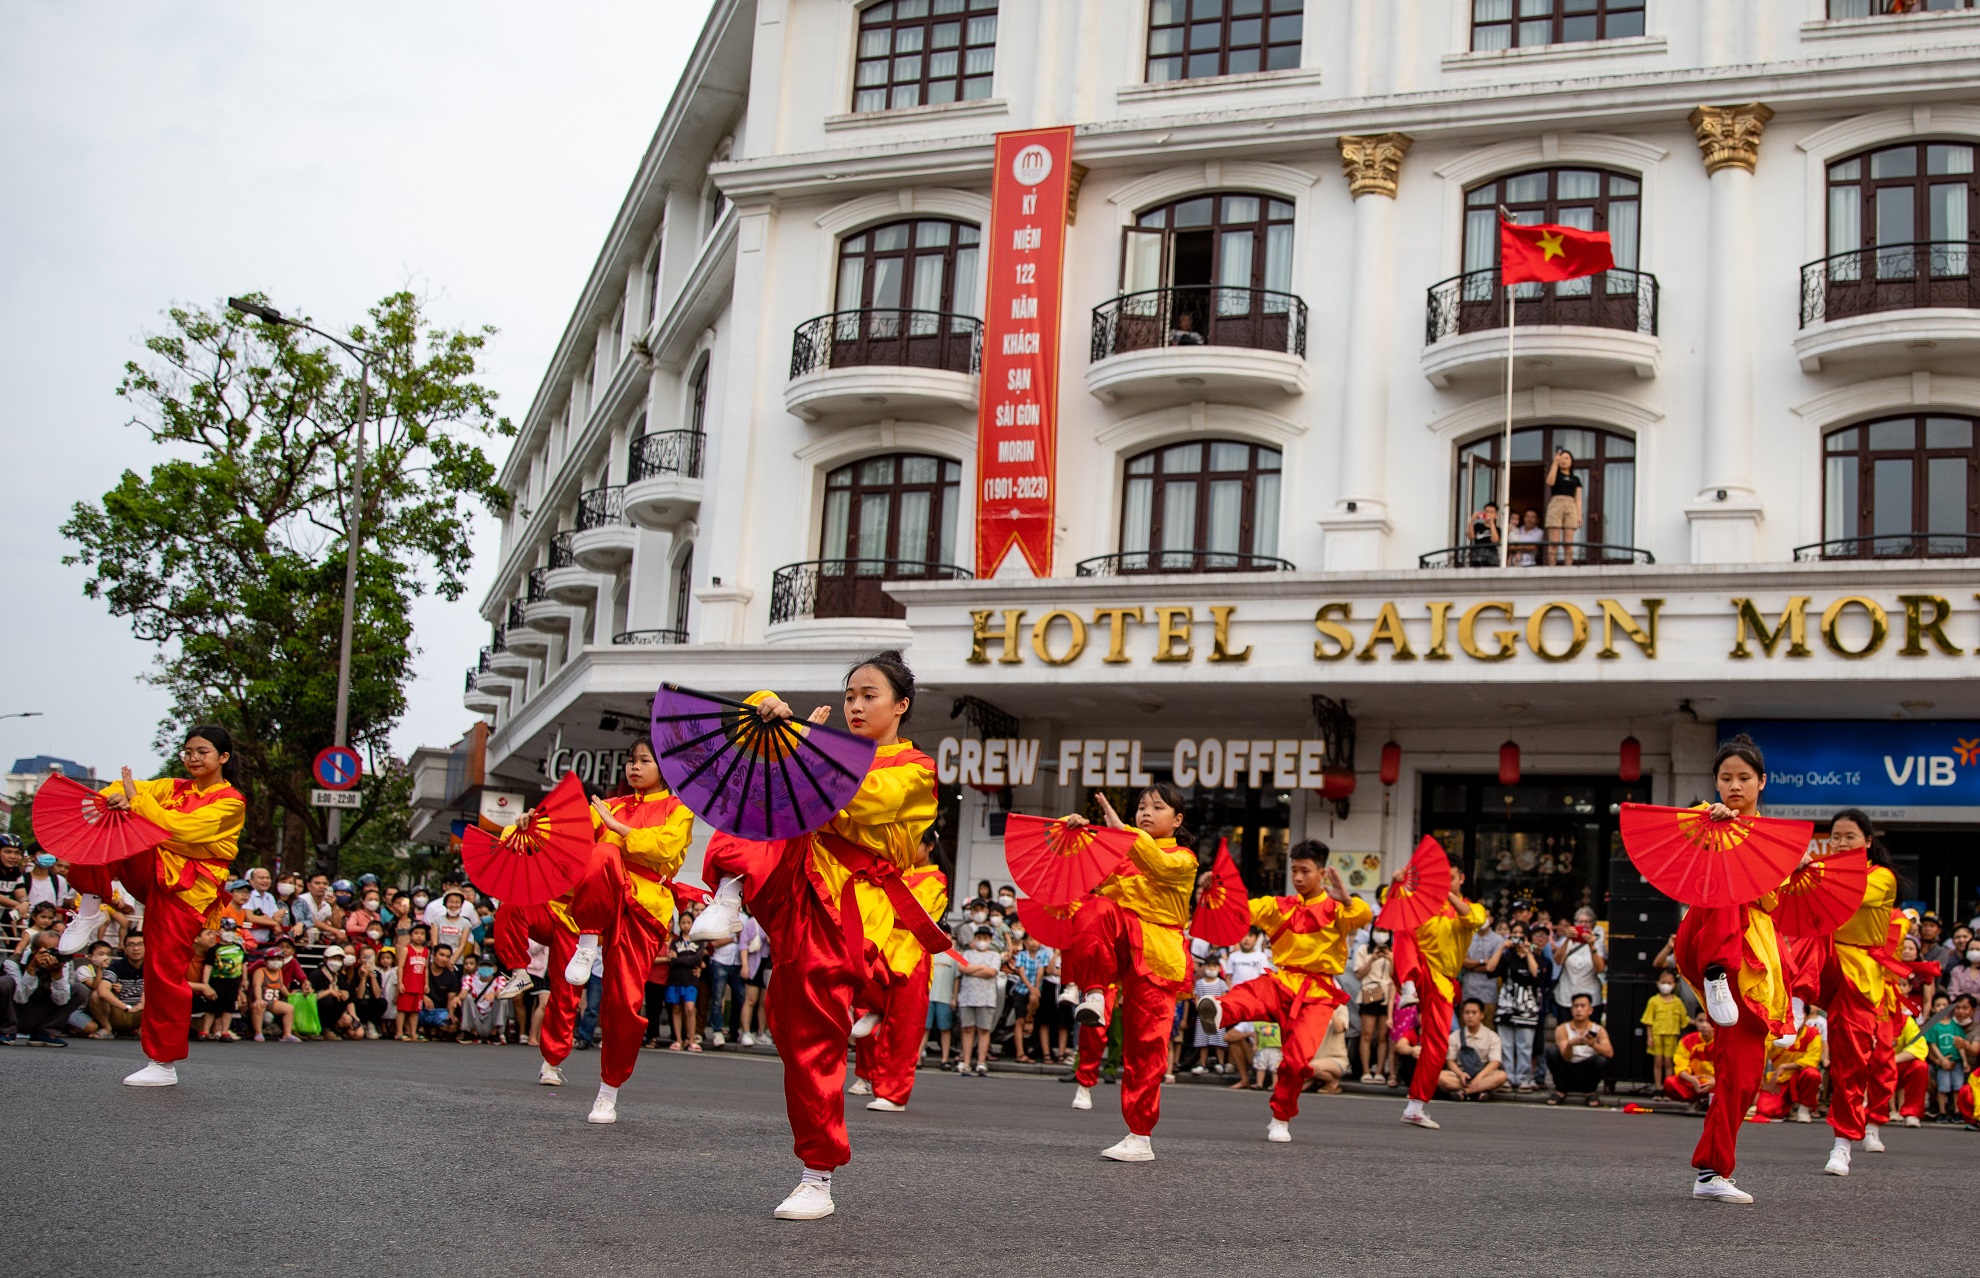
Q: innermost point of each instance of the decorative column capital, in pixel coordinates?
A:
(1729, 136)
(1373, 162)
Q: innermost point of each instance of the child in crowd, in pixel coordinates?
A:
(412, 983)
(943, 969)
(1692, 1076)
(1266, 1056)
(1209, 1043)
(976, 1000)
(221, 974)
(683, 980)
(1667, 1019)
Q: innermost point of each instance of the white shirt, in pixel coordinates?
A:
(436, 910)
(1242, 967)
(263, 903)
(729, 955)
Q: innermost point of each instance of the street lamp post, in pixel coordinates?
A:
(364, 355)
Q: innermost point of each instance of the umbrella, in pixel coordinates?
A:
(539, 858)
(1223, 911)
(79, 825)
(1051, 924)
(1059, 863)
(754, 778)
(1419, 891)
(1689, 857)
(1821, 896)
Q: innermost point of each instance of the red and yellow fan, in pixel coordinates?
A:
(541, 857)
(77, 824)
(1418, 892)
(1059, 863)
(1821, 896)
(1051, 924)
(1223, 911)
(1689, 857)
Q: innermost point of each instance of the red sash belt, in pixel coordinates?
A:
(1316, 987)
(863, 866)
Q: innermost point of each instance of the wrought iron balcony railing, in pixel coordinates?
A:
(560, 552)
(1130, 562)
(1476, 301)
(665, 452)
(1535, 554)
(874, 338)
(1891, 277)
(515, 619)
(1200, 315)
(1893, 546)
(601, 508)
(535, 593)
(821, 588)
(675, 634)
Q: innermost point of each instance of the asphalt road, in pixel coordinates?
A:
(376, 1159)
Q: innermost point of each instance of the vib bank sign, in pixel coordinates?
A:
(1914, 771)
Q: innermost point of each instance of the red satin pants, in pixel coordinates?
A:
(1433, 1027)
(1302, 1023)
(170, 928)
(629, 936)
(1106, 950)
(887, 1057)
(1862, 1063)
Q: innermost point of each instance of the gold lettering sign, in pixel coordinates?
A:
(1880, 626)
(1172, 623)
(1917, 626)
(1536, 631)
(1117, 619)
(1793, 624)
(1643, 636)
(1042, 629)
(1388, 629)
(1343, 637)
(1220, 643)
(982, 636)
(1468, 632)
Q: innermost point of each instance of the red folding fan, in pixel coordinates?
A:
(1416, 894)
(1689, 857)
(541, 857)
(1059, 863)
(1223, 911)
(689, 892)
(79, 825)
(1821, 896)
(1051, 924)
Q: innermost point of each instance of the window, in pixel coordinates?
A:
(895, 514)
(1590, 199)
(1605, 461)
(924, 52)
(1192, 39)
(926, 264)
(1910, 484)
(1890, 8)
(1201, 507)
(1898, 197)
(653, 277)
(1212, 269)
(1522, 24)
(698, 398)
(683, 592)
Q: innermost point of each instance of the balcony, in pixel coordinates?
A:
(519, 635)
(1893, 546)
(1604, 324)
(477, 700)
(563, 579)
(1894, 300)
(645, 638)
(1573, 554)
(1135, 562)
(498, 659)
(1197, 341)
(603, 541)
(868, 360)
(843, 600)
(663, 478)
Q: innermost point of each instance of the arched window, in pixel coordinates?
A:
(1202, 506)
(1507, 24)
(1901, 219)
(1903, 487)
(923, 264)
(698, 398)
(1604, 460)
(895, 514)
(924, 52)
(1192, 39)
(1212, 269)
(683, 593)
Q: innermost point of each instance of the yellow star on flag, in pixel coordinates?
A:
(1550, 245)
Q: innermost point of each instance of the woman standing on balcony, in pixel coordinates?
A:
(1564, 507)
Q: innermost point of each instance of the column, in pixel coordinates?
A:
(1358, 526)
(1725, 516)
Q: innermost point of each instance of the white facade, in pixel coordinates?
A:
(1719, 123)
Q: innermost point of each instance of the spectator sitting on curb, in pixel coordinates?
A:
(36, 995)
(1580, 1052)
(118, 1005)
(439, 1014)
(1330, 1064)
(273, 979)
(1475, 1067)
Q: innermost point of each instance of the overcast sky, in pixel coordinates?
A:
(473, 150)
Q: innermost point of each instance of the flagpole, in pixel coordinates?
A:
(1505, 448)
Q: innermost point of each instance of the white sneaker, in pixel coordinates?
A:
(81, 931)
(748, 1039)
(983, 1069)
(1130, 1149)
(1721, 1188)
(154, 1074)
(1873, 1139)
(1082, 1097)
(550, 1075)
(1210, 1013)
(1278, 1131)
(1801, 1114)
(1198, 1069)
(1911, 1120)
(1069, 993)
(1092, 1010)
(716, 1039)
(1424, 1121)
(515, 983)
(1719, 1005)
(1838, 1164)
(866, 1025)
(720, 921)
(583, 960)
(811, 1200)
(860, 1087)
(882, 1105)
(606, 1108)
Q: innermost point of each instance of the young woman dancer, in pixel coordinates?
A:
(829, 900)
(1128, 938)
(1732, 956)
(1863, 1001)
(178, 881)
(623, 906)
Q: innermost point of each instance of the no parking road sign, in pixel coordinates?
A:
(337, 767)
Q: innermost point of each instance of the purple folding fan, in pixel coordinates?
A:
(748, 776)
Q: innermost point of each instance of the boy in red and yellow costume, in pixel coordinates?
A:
(1794, 1075)
(1129, 936)
(1440, 943)
(1309, 936)
(1692, 1077)
(886, 1055)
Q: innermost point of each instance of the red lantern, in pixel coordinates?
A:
(1509, 764)
(1630, 767)
(1391, 763)
(1336, 783)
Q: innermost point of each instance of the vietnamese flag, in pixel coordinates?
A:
(1545, 254)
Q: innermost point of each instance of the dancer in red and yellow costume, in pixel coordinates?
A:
(1128, 936)
(1692, 1077)
(897, 1022)
(1913, 1074)
(549, 924)
(829, 901)
(178, 881)
(1092, 1040)
(1732, 955)
(1309, 934)
(1864, 1000)
(622, 907)
(1794, 1076)
(1440, 943)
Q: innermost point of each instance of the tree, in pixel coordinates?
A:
(230, 553)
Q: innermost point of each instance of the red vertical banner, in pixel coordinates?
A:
(1017, 429)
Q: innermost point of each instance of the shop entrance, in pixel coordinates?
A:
(1547, 839)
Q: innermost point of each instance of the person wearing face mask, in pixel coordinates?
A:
(484, 1019)
(1375, 968)
(1309, 933)
(1665, 1018)
(1128, 939)
(45, 885)
(1865, 999)
(975, 916)
(333, 984)
(885, 1058)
